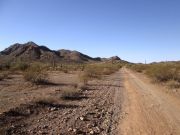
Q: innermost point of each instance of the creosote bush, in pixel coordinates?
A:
(96, 71)
(67, 67)
(36, 75)
(22, 66)
(139, 67)
(162, 72)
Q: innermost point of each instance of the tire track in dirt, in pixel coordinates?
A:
(148, 109)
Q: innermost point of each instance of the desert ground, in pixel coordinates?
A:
(123, 103)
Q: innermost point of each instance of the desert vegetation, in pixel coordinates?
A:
(167, 72)
(89, 73)
(4, 75)
(36, 75)
(97, 71)
(70, 93)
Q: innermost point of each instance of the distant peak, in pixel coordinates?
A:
(30, 43)
(115, 58)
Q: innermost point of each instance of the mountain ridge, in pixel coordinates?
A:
(33, 51)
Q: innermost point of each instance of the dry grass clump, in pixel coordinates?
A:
(82, 87)
(36, 75)
(4, 75)
(71, 93)
(173, 84)
(46, 100)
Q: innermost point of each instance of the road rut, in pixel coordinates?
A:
(148, 110)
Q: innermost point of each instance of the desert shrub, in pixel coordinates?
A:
(20, 66)
(110, 68)
(167, 72)
(177, 78)
(65, 71)
(1, 77)
(66, 68)
(1, 67)
(4, 75)
(84, 78)
(173, 84)
(162, 72)
(82, 86)
(45, 100)
(23, 66)
(139, 67)
(89, 74)
(70, 93)
(93, 72)
(177, 72)
(96, 71)
(36, 75)
(5, 65)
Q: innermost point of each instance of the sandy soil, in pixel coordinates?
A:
(148, 109)
(15, 91)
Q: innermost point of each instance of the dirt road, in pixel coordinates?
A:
(148, 110)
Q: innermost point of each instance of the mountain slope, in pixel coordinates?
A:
(29, 51)
(74, 55)
(32, 51)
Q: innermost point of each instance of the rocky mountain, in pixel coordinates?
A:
(32, 51)
(75, 56)
(29, 51)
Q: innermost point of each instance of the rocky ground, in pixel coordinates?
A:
(97, 112)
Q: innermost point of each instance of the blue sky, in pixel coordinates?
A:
(134, 30)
